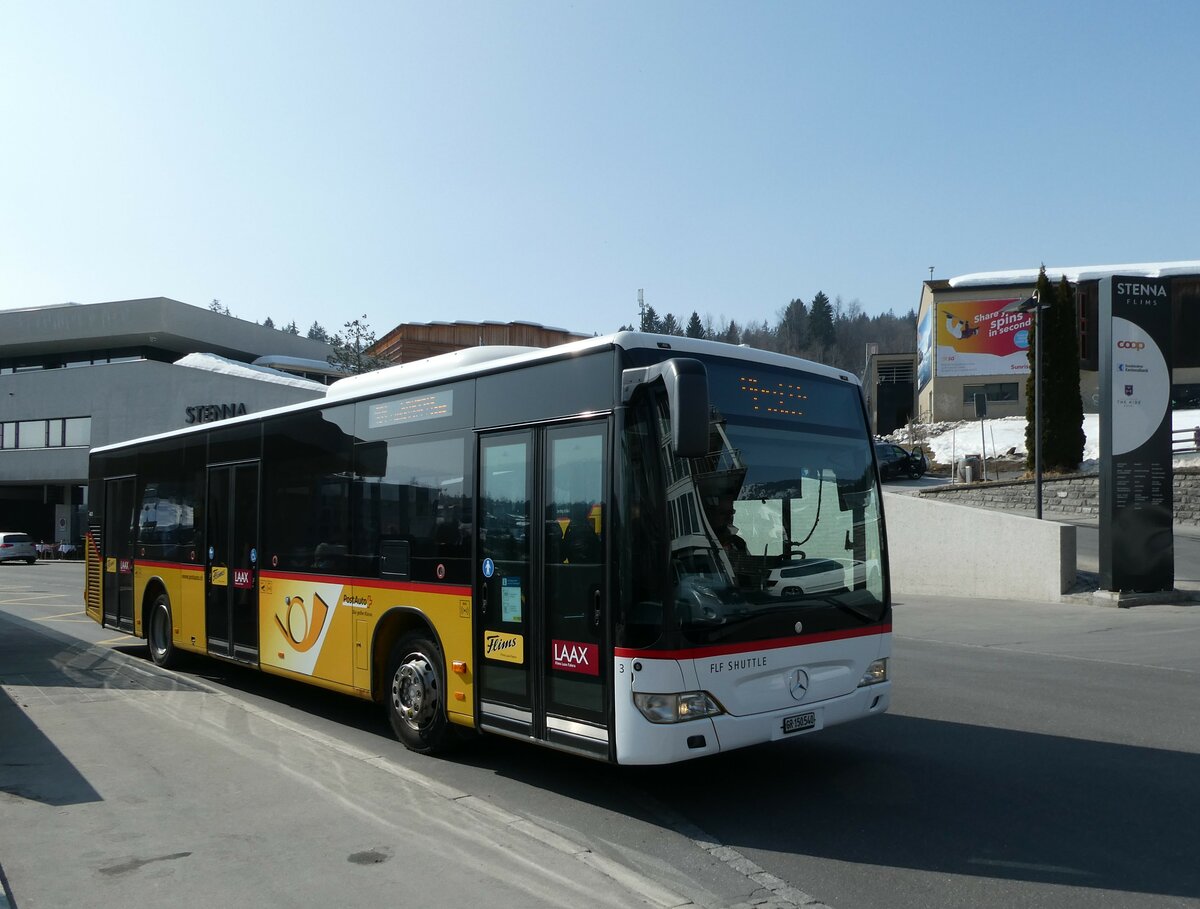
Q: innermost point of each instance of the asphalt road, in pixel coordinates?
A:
(1035, 754)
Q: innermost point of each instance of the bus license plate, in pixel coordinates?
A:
(799, 722)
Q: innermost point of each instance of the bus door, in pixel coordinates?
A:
(542, 585)
(231, 567)
(118, 541)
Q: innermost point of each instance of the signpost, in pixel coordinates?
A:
(1137, 550)
(981, 412)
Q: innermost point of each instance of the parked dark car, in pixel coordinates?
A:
(897, 463)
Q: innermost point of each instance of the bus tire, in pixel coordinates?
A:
(416, 695)
(159, 635)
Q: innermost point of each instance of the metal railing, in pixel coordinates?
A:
(1185, 440)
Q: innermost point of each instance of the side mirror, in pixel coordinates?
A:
(686, 382)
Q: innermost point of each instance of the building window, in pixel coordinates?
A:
(77, 431)
(1185, 323)
(57, 433)
(995, 391)
(31, 434)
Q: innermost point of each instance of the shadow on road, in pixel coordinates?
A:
(925, 795)
(41, 671)
(896, 791)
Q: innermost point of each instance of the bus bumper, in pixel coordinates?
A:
(641, 742)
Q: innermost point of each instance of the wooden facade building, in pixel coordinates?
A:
(418, 340)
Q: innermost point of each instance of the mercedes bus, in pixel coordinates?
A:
(637, 548)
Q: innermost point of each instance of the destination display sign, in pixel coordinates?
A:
(410, 408)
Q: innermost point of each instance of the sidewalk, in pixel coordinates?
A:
(1158, 636)
(123, 785)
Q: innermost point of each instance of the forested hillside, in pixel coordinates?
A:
(835, 333)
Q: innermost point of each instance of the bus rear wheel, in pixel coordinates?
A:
(416, 700)
(161, 639)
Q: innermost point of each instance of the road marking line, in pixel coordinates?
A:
(61, 615)
(124, 637)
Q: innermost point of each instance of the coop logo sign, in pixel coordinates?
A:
(210, 413)
(1131, 345)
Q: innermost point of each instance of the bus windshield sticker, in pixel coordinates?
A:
(508, 648)
(510, 599)
(410, 409)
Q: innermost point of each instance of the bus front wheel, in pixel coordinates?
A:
(162, 644)
(416, 701)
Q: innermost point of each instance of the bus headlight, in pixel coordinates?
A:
(676, 708)
(876, 673)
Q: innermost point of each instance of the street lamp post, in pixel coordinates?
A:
(1033, 304)
(1037, 403)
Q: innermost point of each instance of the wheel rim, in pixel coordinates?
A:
(159, 635)
(415, 691)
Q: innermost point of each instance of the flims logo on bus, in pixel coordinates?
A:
(508, 648)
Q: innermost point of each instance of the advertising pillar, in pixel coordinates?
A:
(1137, 550)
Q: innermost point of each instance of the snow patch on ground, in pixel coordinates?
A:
(949, 442)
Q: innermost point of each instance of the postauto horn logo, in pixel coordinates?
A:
(1131, 345)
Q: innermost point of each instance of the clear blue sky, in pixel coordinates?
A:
(542, 161)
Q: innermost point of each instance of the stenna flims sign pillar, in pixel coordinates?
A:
(1137, 549)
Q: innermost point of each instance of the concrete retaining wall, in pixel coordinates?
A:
(941, 549)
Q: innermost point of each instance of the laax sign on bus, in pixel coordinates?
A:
(573, 656)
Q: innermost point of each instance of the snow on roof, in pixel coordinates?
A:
(1077, 273)
(213, 363)
(440, 366)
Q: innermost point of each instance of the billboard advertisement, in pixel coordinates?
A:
(925, 348)
(976, 338)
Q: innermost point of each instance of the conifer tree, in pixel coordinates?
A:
(695, 328)
(1064, 451)
(820, 322)
(1062, 405)
(650, 321)
(351, 345)
(793, 327)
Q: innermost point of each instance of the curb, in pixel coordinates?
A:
(641, 886)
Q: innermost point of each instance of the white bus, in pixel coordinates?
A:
(636, 548)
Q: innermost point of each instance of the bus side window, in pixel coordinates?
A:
(411, 509)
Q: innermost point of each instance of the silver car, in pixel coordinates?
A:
(17, 547)
(806, 576)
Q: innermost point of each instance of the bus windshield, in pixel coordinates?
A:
(776, 531)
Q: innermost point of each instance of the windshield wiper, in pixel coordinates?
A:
(844, 607)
